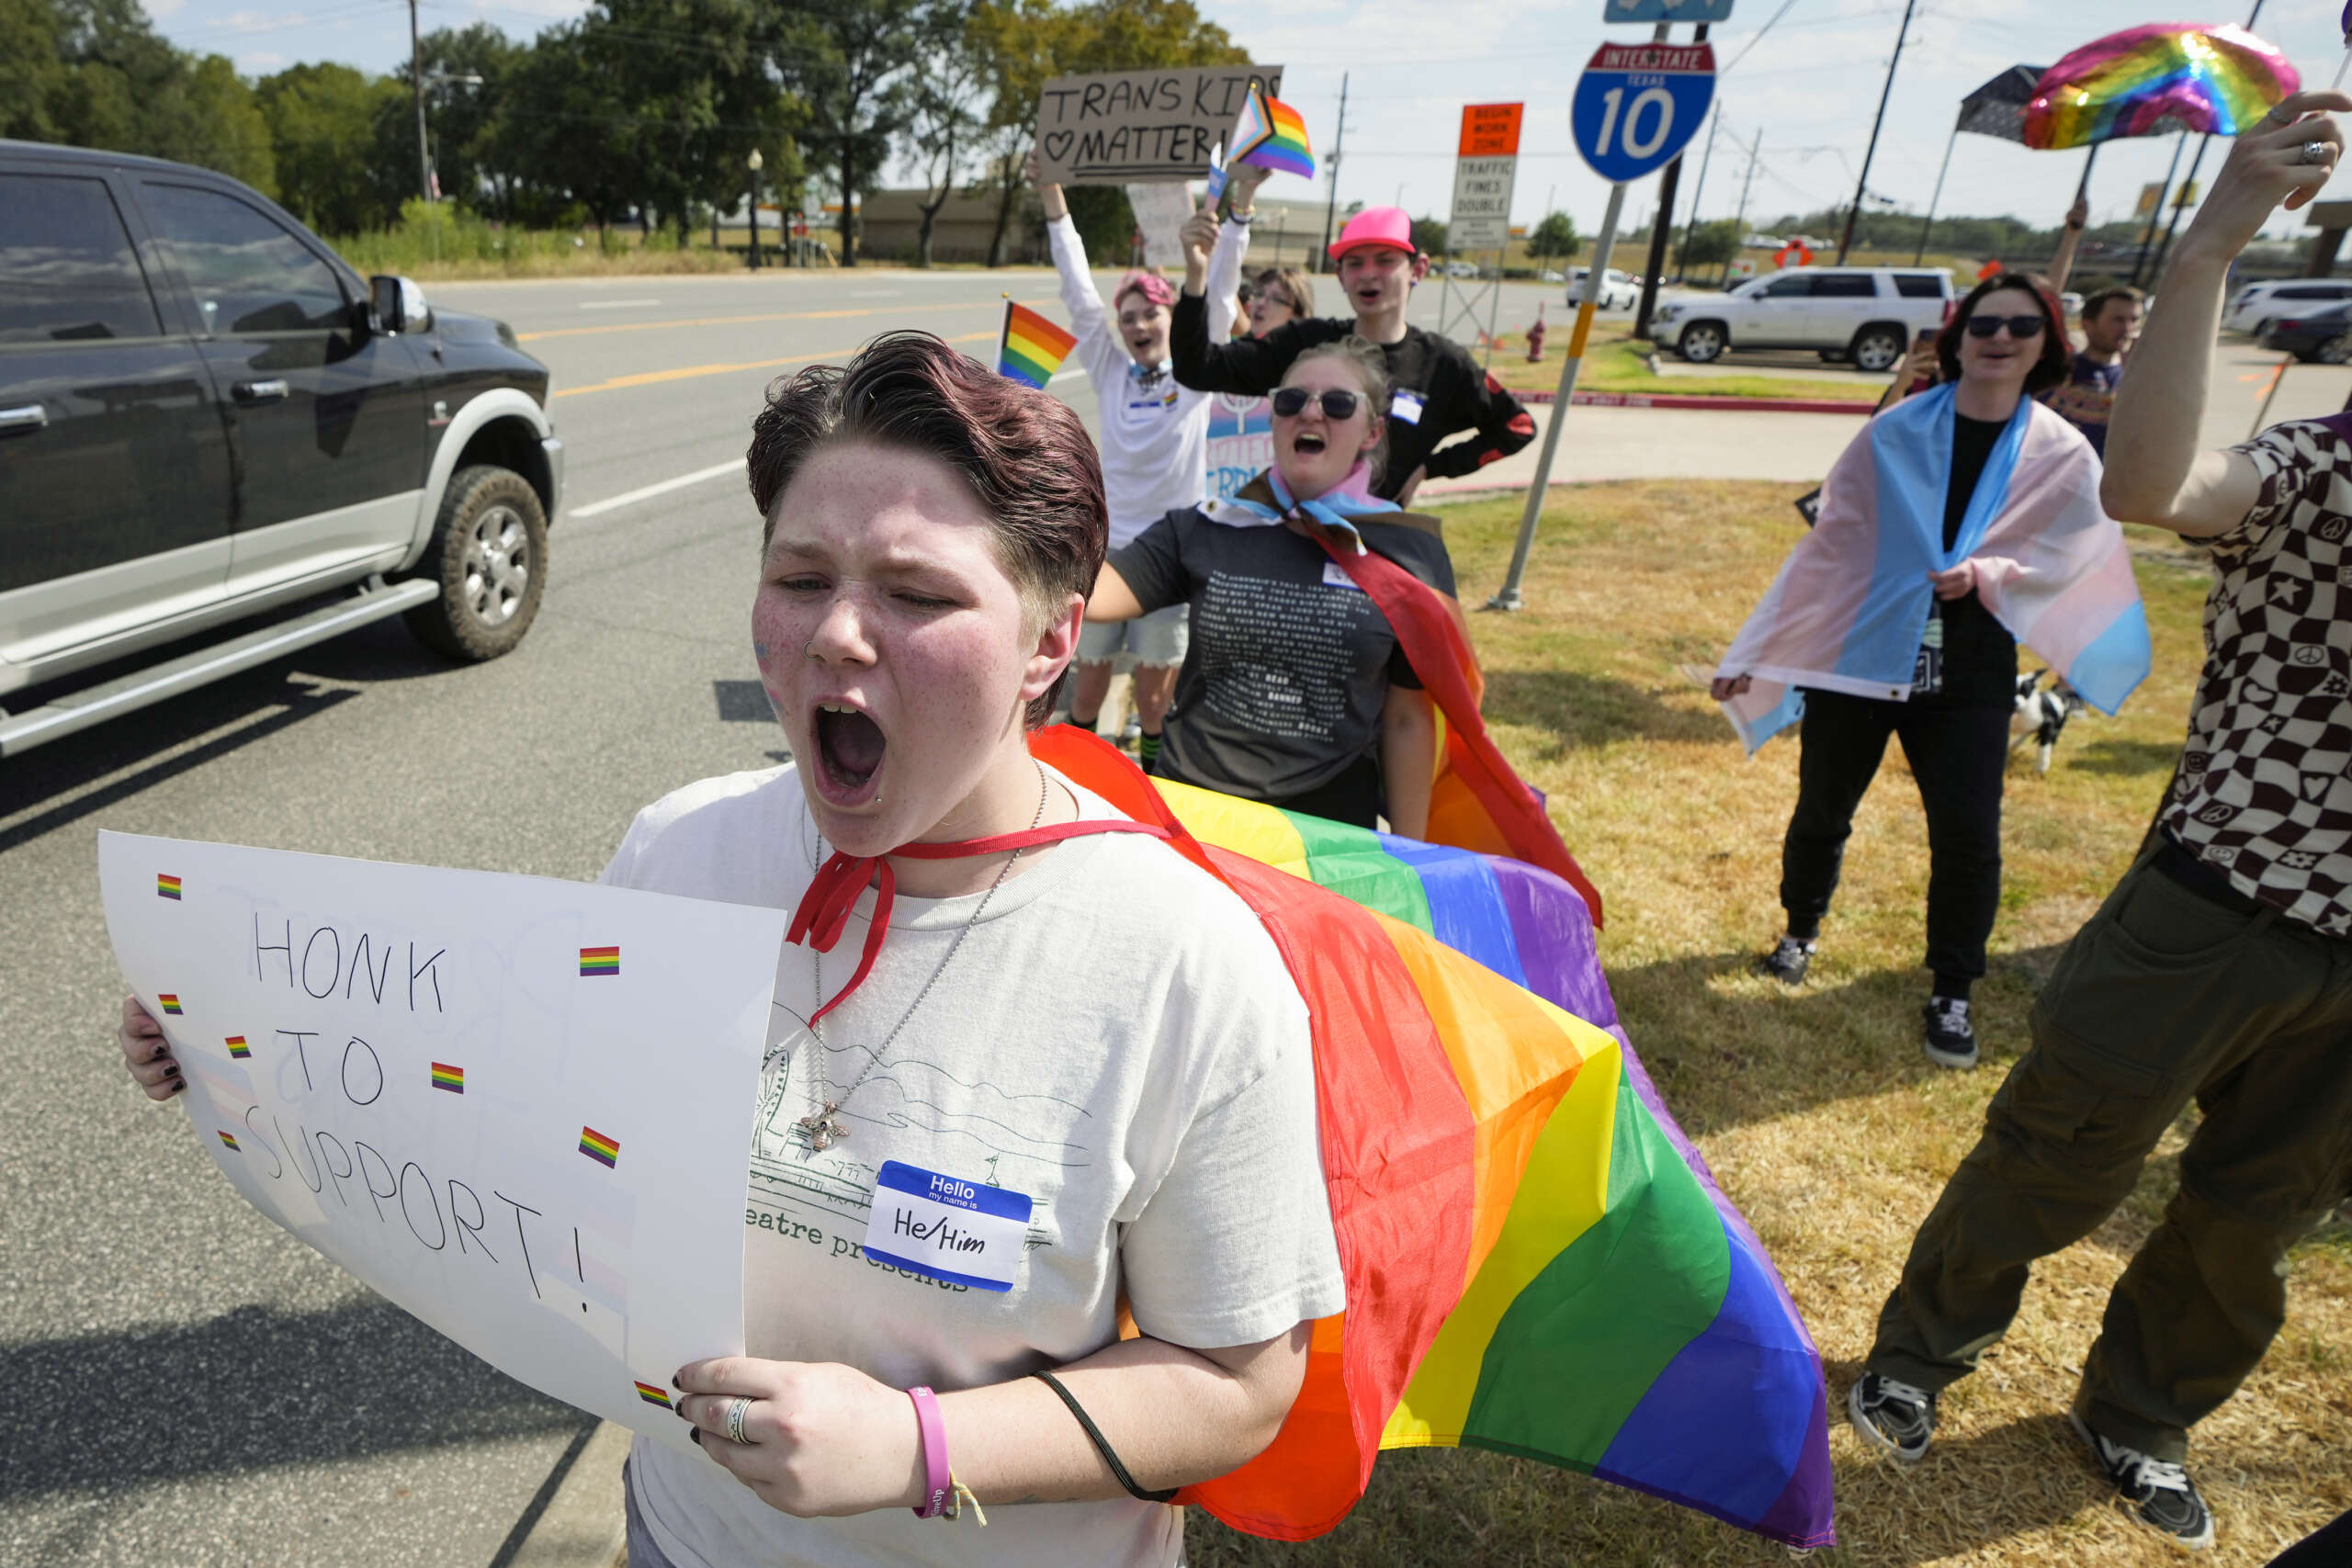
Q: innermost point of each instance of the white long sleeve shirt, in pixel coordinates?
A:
(1153, 436)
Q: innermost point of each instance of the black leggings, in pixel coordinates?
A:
(1959, 755)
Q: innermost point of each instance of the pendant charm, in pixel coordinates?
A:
(824, 1129)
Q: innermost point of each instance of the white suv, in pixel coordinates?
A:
(2256, 306)
(1866, 314)
(1618, 292)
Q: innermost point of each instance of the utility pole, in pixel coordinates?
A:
(1862, 185)
(1699, 192)
(416, 81)
(1661, 230)
(1332, 203)
(1739, 221)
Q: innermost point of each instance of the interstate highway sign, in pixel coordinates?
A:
(1637, 104)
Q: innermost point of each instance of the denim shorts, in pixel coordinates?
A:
(1157, 639)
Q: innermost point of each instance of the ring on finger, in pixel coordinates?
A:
(737, 1408)
(2313, 153)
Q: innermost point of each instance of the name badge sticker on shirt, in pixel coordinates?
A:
(1336, 576)
(959, 1232)
(1405, 406)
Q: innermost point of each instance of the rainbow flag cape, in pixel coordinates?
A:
(1270, 134)
(1851, 603)
(1538, 1262)
(1031, 348)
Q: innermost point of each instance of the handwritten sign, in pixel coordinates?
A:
(1160, 211)
(1141, 127)
(519, 1108)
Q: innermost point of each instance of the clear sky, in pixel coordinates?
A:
(1810, 85)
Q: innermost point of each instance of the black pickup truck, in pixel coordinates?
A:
(219, 443)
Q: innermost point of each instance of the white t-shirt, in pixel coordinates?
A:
(1153, 437)
(1117, 1038)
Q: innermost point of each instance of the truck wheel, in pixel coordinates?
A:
(1877, 349)
(489, 552)
(1701, 343)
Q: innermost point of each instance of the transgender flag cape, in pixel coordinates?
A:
(1850, 604)
(1537, 1261)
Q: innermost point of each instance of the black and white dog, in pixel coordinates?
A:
(2041, 715)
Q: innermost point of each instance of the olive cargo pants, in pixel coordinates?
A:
(2165, 996)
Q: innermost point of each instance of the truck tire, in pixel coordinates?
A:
(489, 552)
(1703, 343)
(1878, 348)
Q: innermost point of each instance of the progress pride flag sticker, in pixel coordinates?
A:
(962, 1232)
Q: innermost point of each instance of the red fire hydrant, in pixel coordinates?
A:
(1535, 339)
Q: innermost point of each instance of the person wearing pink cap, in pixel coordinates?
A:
(1153, 434)
(1440, 391)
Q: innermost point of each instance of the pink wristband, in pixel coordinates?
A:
(937, 1489)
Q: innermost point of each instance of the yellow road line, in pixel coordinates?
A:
(734, 321)
(689, 372)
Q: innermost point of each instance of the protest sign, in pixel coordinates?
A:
(520, 1109)
(1160, 211)
(1141, 127)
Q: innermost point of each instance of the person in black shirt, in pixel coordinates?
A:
(1438, 391)
(2005, 342)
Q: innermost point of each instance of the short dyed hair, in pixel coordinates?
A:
(2057, 356)
(1029, 462)
(2099, 301)
(1370, 368)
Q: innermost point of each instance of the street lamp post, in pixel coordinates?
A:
(753, 163)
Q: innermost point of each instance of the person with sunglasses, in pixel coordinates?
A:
(1956, 514)
(1295, 690)
(1153, 434)
(1437, 389)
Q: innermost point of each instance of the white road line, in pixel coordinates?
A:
(616, 304)
(875, 293)
(627, 498)
(1063, 376)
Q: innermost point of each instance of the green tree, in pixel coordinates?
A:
(467, 78)
(950, 96)
(1555, 238)
(1711, 244)
(33, 75)
(561, 132)
(321, 121)
(1428, 236)
(852, 64)
(118, 84)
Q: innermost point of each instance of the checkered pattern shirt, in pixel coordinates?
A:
(2265, 788)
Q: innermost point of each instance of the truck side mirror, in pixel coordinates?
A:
(396, 305)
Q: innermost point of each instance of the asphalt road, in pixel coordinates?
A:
(181, 1382)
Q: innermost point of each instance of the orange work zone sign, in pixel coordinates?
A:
(1490, 130)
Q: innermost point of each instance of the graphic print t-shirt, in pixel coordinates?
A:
(1163, 1123)
(2085, 397)
(1289, 663)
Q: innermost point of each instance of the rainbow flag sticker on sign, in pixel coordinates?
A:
(652, 1395)
(169, 1001)
(448, 1077)
(1032, 348)
(166, 886)
(1271, 135)
(604, 1151)
(600, 961)
(238, 1048)
(227, 1138)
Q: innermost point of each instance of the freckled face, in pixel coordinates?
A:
(891, 643)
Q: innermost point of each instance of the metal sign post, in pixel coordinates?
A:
(1636, 106)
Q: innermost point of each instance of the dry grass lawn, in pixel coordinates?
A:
(1816, 1108)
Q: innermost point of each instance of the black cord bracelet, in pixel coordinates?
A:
(1102, 1445)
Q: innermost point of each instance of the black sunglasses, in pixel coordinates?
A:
(1291, 401)
(2020, 327)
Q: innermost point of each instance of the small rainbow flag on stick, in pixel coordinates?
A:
(1271, 135)
(170, 1002)
(449, 1077)
(596, 1147)
(1032, 348)
(238, 1048)
(227, 1139)
(648, 1393)
(600, 961)
(166, 886)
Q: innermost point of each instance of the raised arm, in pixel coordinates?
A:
(1088, 319)
(2063, 263)
(2156, 473)
(1251, 366)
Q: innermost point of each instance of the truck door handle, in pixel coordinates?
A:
(32, 417)
(259, 391)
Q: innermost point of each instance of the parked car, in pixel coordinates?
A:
(2322, 337)
(1618, 292)
(211, 427)
(1550, 274)
(2255, 306)
(1865, 314)
(1461, 269)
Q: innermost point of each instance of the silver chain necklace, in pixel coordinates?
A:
(823, 1127)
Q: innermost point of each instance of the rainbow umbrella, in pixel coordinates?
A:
(2161, 77)
(1538, 1262)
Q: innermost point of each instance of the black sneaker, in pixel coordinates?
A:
(1950, 1041)
(2160, 1493)
(1788, 960)
(1892, 1417)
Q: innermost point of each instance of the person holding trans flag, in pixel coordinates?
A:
(2219, 970)
(1153, 434)
(1958, 523)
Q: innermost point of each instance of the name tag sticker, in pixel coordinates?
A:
(1405, 406)
(1336, 576)
(959, 1232)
